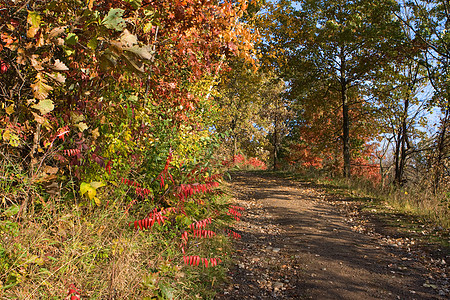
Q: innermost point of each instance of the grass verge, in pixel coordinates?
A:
(94, 250)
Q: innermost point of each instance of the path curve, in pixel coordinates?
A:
(296, 245)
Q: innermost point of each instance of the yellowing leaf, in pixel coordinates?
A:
(95, 133)
(6, 135)
(90, 4)
(114, 19)
(87, 188)
(97, 201)
(40, 88)
(44, 106)
(71, 39)
(148, 27)
(91, 193)
(97, 184)
(84, 187)
(34, 20)
(10, 109)
(81, 126)
(76, 117)
(92, 44)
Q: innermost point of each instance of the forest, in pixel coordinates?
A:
(122, 120)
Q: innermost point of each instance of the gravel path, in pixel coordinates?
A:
(298, 245)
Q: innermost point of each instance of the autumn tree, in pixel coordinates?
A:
(241, 104)
(337, 43)
(90, 86)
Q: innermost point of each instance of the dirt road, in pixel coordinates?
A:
(297, 245)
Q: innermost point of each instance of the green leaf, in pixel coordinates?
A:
(114, 19)
(44, 106)
(135, 3)
(71, 39)
(92, 44)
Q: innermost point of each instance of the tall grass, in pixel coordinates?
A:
(411, 199)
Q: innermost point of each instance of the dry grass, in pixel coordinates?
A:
(63, 241)
(414, 199)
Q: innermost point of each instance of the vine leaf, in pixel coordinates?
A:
(81, 126)
(114, 19)
(44, 106)
(91, 190)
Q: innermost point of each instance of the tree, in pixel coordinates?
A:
(337, 43)
(430, 27)
(87, 85)
(244, 101)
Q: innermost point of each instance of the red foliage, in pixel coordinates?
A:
(200, 224)
(129, 182)
(148, 222)
(233, 234)
(195, 260)
(72, 152)
(203, 233)
(74, 293)
(242, 162)
(234, 213)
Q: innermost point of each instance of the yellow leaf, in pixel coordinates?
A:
(95, 133)
(6, 135)
(40, 88)
(91, 4)
(91, 193)
(97, 201)
(81, 126)
(10, 109)
(34, 20)
(44, 106)
(97, 184)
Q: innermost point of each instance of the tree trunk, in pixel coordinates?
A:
(345, 117)
(345, 129)
(440, 151)
(234, 135)
(275, 146)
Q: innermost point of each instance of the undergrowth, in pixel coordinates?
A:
(95, 250)
(174, 247)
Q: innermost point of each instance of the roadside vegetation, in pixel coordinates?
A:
(119, 119)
